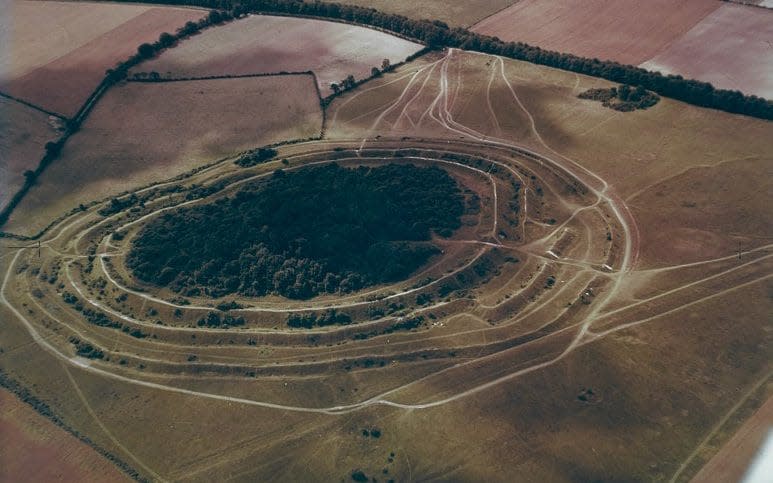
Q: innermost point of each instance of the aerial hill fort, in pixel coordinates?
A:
(386, 241)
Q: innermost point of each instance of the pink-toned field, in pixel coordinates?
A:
(37, 33)
(267, 44)
(71, 63)
(732, 48)
(145, 132)
(36, 450)
(734, 459)
(24, 132)
(628, 31)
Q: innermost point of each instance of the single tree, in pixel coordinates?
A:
(146, 51)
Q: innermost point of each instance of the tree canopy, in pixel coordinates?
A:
(303, 232)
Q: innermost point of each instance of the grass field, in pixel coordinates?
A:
(601, 314)
(265, 44)
(627, 31)
(34, 449)
(61, 68)
(23, 134)
(145, 132)
(731, 48)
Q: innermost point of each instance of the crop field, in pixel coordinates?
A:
(628, 31)
(731, 48)
(580, 294)
(34, 449)
(60, 69)
(144, 132)
(456, 13)
(24, 132)
(262, 44)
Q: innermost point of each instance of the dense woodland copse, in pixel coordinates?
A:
(437, 34)
(324, 229)
(624, 98)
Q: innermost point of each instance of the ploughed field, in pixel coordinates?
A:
(722, 43)
(59, 51)
(140, 133)
(262, 44)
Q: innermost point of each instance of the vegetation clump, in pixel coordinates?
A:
(624, 98)
(307, 321)
(256, 157)
(325, 229)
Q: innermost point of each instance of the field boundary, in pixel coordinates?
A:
(747, 4)
(162, 80)
(112, 77)
(43, 409)
(33, 106)
(437, 34)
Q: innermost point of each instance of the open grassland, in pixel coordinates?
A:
(264, 44)
(628, 31)
(34, 449)
(731, 48)
(24, 132)
(145, 132)
(59, 69)
(592, 319)
(456, 13)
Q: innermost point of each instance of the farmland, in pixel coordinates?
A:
(718, 42)
(59, 70)
(456, 13)
(34, 449)
(24, 131)
(627, 31)
(594, 305)
(141, 132)
(742, 59)
(332, 50)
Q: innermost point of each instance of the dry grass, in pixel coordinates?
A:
(265, 44)
(140, 133)
(666, 348)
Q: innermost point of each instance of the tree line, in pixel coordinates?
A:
(437, 34)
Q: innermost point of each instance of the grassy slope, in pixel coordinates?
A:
(660, 385)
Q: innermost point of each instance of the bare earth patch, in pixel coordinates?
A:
(265, 44)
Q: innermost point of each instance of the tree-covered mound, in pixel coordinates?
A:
(302, 233)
